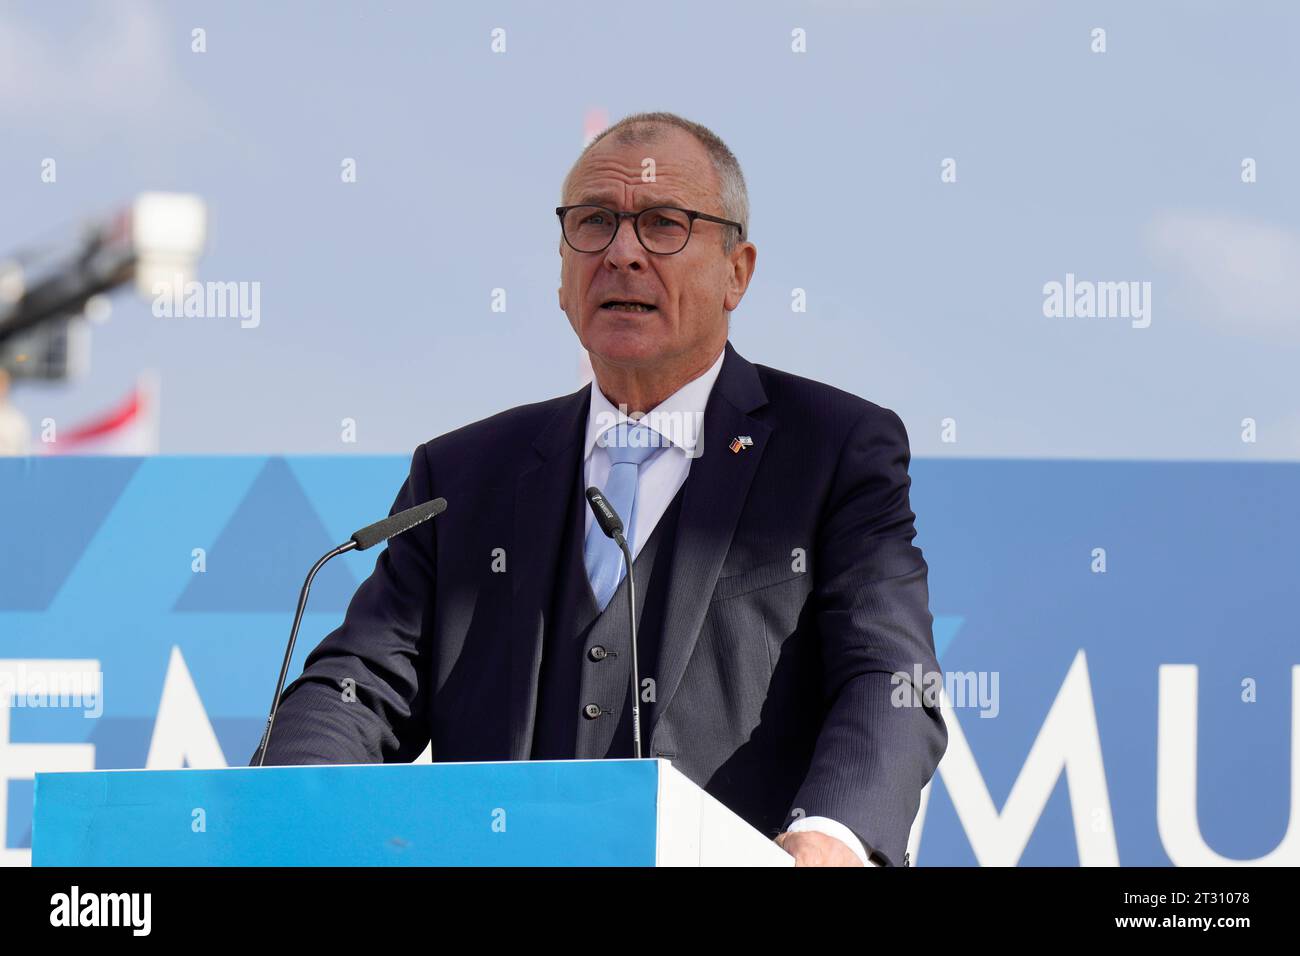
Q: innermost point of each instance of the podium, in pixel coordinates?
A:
(512, 813)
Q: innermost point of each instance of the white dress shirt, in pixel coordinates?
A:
(678, 418)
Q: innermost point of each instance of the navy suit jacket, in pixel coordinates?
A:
(796, 595)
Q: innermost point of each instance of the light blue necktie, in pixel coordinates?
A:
(628, 446)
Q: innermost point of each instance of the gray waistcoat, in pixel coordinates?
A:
(586, 653)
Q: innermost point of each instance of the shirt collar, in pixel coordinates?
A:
(679, 418)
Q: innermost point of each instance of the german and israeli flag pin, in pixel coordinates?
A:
(740, 443)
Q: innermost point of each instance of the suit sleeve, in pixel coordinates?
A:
(872, 757)
(363, 694)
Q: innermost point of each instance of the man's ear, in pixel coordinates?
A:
(742, 270)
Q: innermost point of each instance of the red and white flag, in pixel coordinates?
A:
(129, 428)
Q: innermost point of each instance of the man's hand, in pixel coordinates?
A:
(810, 848)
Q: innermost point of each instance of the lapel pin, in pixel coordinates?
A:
(740, 443)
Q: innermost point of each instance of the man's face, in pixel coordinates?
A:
(690, 292)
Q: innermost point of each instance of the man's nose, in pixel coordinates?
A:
(626, 251)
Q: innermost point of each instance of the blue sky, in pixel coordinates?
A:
(923, 296)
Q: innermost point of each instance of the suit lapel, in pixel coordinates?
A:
(541, 503)
(713, 497)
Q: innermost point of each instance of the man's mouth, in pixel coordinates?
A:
(616, 305)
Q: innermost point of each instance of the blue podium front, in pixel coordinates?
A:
(523, 813)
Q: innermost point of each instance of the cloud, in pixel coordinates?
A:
(1244, 271)
(116, 72)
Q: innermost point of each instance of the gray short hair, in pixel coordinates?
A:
(642, 128)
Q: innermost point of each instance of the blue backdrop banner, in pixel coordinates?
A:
(1120, 649)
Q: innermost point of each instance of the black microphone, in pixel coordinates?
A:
(612, 526)
(392, 526)
(367, 537)
(606, 516)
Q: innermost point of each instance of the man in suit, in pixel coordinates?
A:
(783, 607)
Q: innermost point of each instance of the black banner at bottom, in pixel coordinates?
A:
(924, 904)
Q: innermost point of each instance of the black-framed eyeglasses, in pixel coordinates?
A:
(662, 230)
